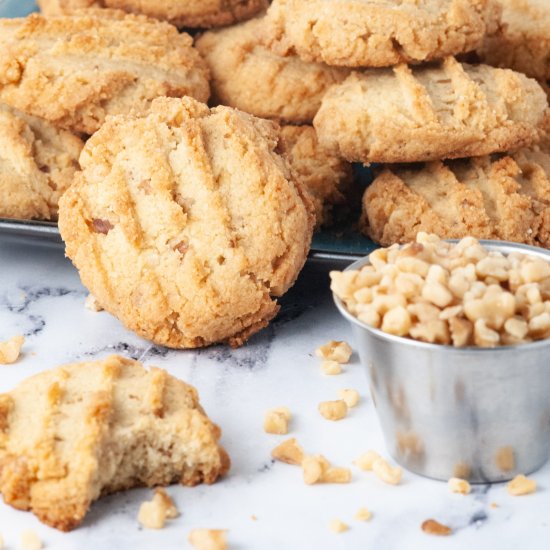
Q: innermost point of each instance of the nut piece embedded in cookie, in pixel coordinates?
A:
(202, 223)
(124, 62)
(441, 111)
(72, 434)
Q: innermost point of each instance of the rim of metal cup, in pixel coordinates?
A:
(500, 246)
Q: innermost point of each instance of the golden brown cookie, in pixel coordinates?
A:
(76, 70)
(72, 434)
(449, 110)
(374, 33)
(185, 223)
(182, 13)
(37, 164)
(505, 198)
(249, 76)
(522, 41)
(328, 178)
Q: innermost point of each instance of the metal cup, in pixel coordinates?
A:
(476, 413)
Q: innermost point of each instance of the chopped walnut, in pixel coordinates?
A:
(10, 350)
(30, 541)
(351, 397)
(276, 421)
(331, 367)
(92, 304)
(363, 514)
(366, 460)
(335, 351)
(288, 451)
(461, 486)
(336, 475)
(337, 526)
(460, 294)
(521, 485)
(153, 514)
(432, 527)
(386, 472)
(333, 410)
(102, 226)
(313, 468)
(317, 469)
(208, 539)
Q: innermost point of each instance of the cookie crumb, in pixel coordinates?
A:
(276, 421)
(461, 486)
(363, 514)
(30, 541)
(253, 517)
(493, 505)
(154, 513)
(208, 539)
(92, 304)
(331, 368)
(11, 349)
(366, 460)
(387, 473)
(289, 451)
(337, 526)
(521, 485)
(333, 410)
(335, 351)
(351, 397)
(433, 527)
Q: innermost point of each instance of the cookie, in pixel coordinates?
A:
(371, 33)
(72, 434)
(328, 178)
(505, 198)
(249, 76)
(449, 110)
(182, 13)
(522, 42)
(37, 164)
(76, 70)
(185, 223)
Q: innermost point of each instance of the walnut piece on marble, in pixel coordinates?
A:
(11, 349)
(335, 351)
(208, 539)
(521, 485)
(276, 421)
(433, 527)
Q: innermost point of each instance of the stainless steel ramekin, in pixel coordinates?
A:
(476, 413)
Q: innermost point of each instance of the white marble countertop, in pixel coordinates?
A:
(42, 298)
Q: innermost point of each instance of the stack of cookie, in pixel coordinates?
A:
(184, 222)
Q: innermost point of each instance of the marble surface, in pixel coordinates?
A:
(41, 297)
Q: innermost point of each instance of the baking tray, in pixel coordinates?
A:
(342, 244)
